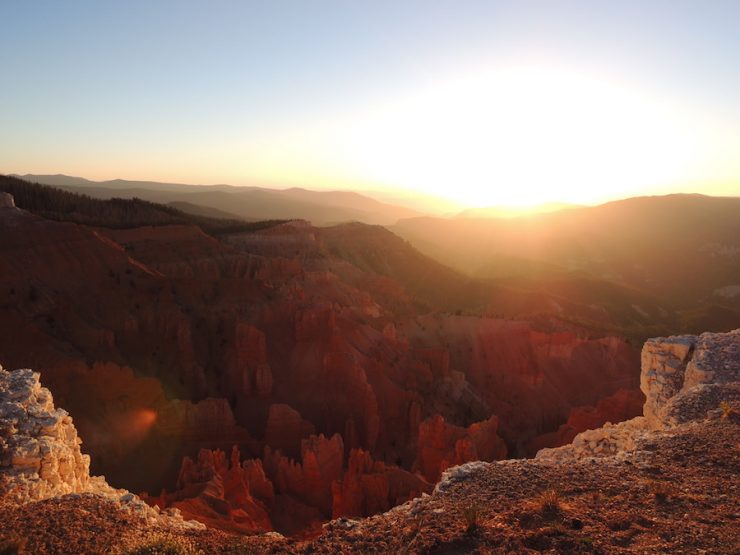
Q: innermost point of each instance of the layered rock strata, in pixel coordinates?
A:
(40, 453)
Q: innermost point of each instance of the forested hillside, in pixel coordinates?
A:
(56, 204)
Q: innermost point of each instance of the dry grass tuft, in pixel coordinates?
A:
(471, 514)
(548, 502)
(416, 527)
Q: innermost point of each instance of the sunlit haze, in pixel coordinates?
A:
(482, 103)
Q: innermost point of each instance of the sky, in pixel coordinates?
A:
(485, 103)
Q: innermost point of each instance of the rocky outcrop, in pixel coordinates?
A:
(684, 378)
(664, 362)
(40, 453)
(40, 456)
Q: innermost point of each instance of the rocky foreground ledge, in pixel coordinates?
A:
(665, 482)
(44, 475)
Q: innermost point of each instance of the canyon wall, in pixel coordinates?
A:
(165, 341)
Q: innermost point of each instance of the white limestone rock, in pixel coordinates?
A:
(664, 362)
(40, 453)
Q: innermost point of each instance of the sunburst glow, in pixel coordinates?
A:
(446, 104)
(521, 136)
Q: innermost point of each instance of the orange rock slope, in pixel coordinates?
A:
(339, 397)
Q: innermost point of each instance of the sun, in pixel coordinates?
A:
(520, 136)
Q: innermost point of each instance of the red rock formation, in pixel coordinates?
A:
(247, 365)
(622, 405)
(259, 484)
(369, 487)
(289, 496)
(286, 429)
(316, 323)
(528, 378)
(438, 360)
(216, 492)
(442, 445)
(323, 462)
(274, 339)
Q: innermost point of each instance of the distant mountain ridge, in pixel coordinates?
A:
(681, 248)
(249, 202)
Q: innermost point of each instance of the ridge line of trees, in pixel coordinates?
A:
(115, 213)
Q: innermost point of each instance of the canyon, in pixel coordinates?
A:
(276, 379)
(620, 485)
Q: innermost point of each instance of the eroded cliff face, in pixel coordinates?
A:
(686, 373)
(532, 380)
(165, 341)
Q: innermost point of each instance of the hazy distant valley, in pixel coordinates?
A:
(643, 266)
